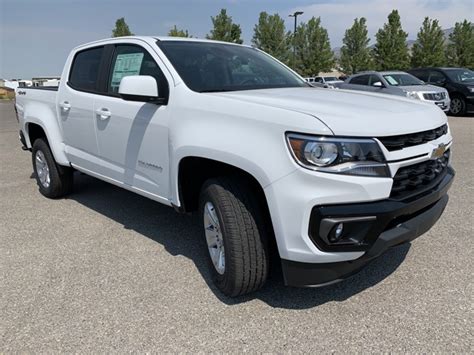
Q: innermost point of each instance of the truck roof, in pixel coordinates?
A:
(153, 39)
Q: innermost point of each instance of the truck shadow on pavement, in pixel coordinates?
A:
(182, 235)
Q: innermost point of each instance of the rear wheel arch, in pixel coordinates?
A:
(34, 132)
(48, 131)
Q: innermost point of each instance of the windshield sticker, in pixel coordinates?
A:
(125, 65)
(391, 80)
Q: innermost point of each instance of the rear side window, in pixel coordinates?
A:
(135, 60)
(85, 69)
(360, 80)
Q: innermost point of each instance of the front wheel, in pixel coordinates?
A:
(53, 181)
(458, 106)
(235, 235)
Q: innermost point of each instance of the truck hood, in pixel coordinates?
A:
(350, 113)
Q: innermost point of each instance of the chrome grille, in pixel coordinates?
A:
(434, 96)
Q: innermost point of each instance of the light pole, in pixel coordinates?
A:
(295, 15)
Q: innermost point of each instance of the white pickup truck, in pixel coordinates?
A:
(328, 179)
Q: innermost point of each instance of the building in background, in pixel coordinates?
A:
(46, 81)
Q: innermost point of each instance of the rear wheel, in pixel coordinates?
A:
(458, 106)
(53, 181)
(235, 235)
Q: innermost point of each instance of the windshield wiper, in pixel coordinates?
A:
(217, 90)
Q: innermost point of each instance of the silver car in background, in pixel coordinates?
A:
(398, 83)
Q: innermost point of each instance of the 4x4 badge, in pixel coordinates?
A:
(439, 151)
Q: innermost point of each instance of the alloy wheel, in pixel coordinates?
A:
(214, 238)
(42, 169)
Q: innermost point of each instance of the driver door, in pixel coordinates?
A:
(132, 137)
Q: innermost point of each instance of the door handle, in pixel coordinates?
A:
(103, 114)
(65, 105)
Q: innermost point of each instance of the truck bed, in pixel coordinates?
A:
(35, 102)
(48, 88)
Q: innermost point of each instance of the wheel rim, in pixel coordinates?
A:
(214, 239)
(42, 169)
(456, 105)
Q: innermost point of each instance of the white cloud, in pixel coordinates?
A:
(338, 16)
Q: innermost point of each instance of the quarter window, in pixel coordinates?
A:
(85, 69)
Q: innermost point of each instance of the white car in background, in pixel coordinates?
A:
(330, 82)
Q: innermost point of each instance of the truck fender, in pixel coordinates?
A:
(45, 117)
(220, 156)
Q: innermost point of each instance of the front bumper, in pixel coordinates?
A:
(396, 222)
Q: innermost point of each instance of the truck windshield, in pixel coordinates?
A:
(402, 80)
(460, 75)
(217, 67)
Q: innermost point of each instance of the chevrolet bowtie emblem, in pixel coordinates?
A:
(438, 151)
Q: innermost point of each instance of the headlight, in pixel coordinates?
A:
(412, 95)
(361, 157)
(470, 88)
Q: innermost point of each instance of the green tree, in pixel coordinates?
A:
(391, 51)
(313, 50)
(428, 50)
(121, 28)
(270, 36)
(355, 53)
(460, 50)
(224, 29)
(175, 32)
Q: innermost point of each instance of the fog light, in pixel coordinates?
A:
(337, 233)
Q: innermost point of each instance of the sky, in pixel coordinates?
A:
(37, 35)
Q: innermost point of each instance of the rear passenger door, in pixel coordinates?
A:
(75, 107)
(132, 136)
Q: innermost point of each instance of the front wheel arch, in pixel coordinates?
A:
(193, 172)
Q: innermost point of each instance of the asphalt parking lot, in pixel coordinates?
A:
(106, 270)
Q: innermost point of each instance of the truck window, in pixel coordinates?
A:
(214, 67)
(360, 80)
(134, 60)
(85, 69)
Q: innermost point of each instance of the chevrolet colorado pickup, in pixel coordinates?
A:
(321, 181)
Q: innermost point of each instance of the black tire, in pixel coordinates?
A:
(60, 177)
(458, 106)
(244, 235)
